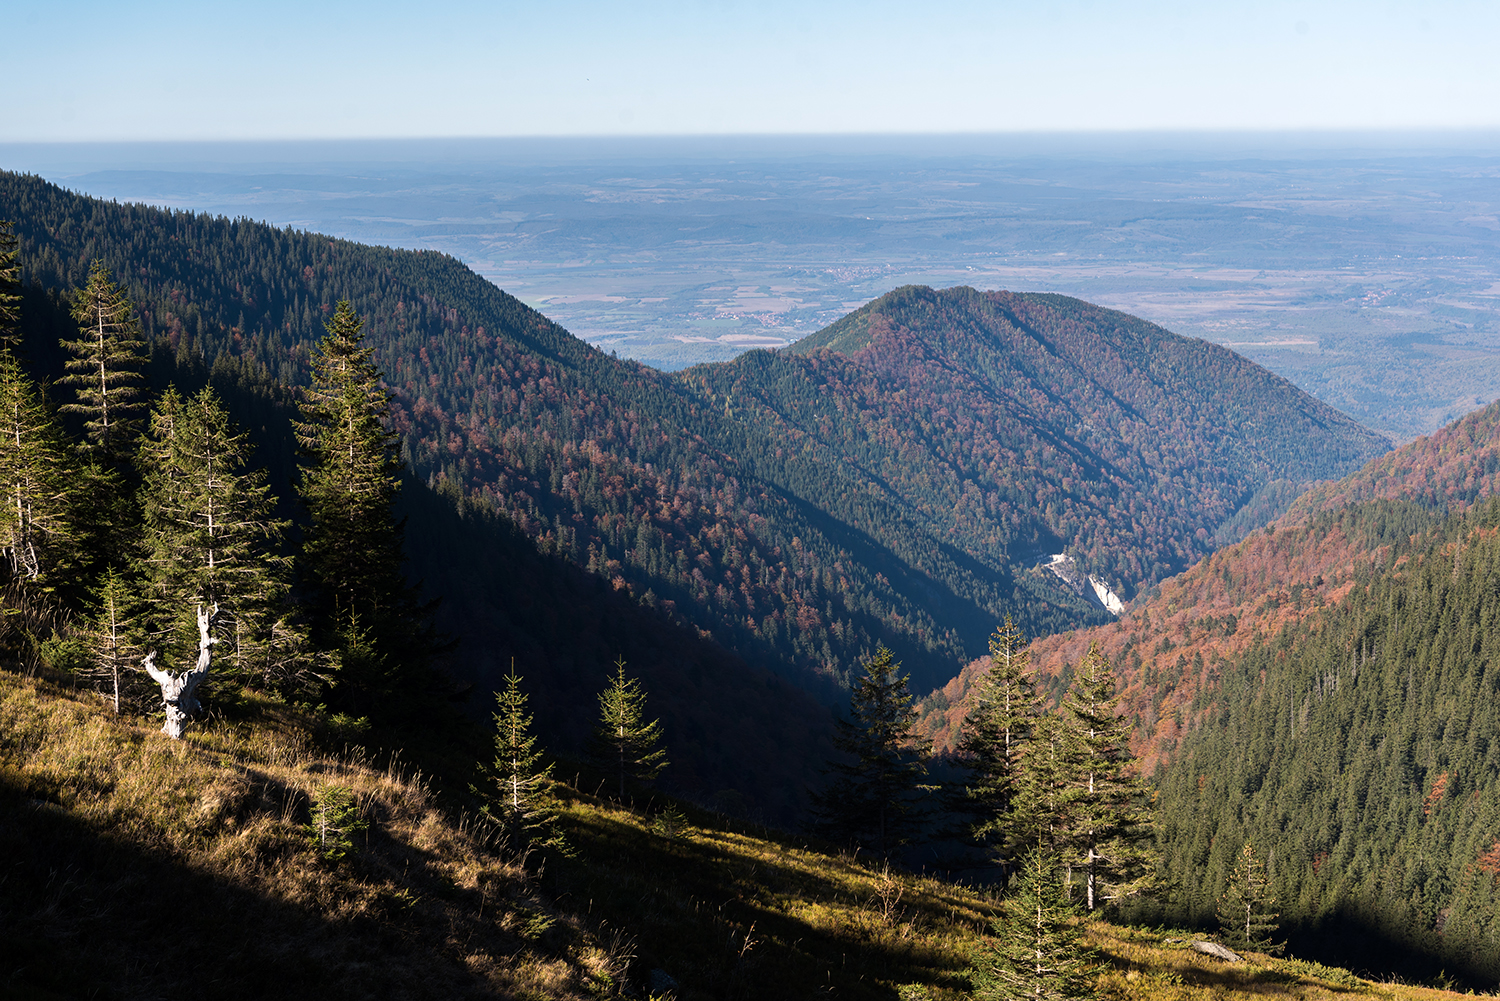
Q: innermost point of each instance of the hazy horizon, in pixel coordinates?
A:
(1367, 274)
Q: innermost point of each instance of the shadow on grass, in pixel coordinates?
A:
(731, 915)
(90, 915)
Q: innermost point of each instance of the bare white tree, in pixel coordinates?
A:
(177, 689)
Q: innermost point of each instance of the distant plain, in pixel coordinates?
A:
(1365, 269)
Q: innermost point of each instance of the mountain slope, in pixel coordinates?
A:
(142, 868)
(613, 465)
(1027, 418)
(1326, 689)
(1362, 747)
(1172, 643)
(902, 525)
(735, 734)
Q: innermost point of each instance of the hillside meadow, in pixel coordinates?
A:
(139, 867)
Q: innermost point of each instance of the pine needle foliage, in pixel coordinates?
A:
(1112, 822)
(623, 744)
(10, 287)
(109, 636)
(1247, 917)
(1044, 804)
(210, 538)
(876, 797)
(1001, 718)
(335, 819)
(106, 367)
(353, 551)
(1038, 954)
(521, 804)
(350, 479)
(36, 529)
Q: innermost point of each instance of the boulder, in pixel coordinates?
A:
(1216, 950)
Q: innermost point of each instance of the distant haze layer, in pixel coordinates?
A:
(1364, 268)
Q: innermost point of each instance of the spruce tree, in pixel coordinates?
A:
(1246, 915)
(877, 796)
(521, 805)
(210, 540)
(10, 287)
(36, 531)
(623, 743)
(1111, 821)
(109, 632)
(1003, 711)
(353, 549)
(107, 367)
(106, 372)
(1044, 801)
(1038, 954)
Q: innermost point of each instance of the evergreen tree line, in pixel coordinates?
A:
(1051, 799)
(1354, 757)
(1062, 782)
(802, 510)
(151, 539)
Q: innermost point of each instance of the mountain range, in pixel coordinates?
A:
(893, 479)
(1308, 670)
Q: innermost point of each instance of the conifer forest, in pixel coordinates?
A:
(368, 625)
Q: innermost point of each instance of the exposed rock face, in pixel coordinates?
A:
(1217, 950)
(1066, 570)
(1107, 598)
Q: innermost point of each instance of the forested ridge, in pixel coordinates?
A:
(1324, 691)
(704, 509)
(606, 462)
(1360, 751)
(1010, 425)
(1171, 644)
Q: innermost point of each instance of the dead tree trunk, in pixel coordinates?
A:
(177, 689)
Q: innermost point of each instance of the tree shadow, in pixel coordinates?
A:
(117, 915)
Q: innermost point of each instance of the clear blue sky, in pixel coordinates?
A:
(89, 70)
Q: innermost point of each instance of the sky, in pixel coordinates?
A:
(87, 70)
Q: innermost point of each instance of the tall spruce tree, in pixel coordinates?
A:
(1002, 714)
(624, 744)
(106, 371)
(10, 287)
(353, 549)
(107, 367)
(876, 799)
(1038, 954)
(520, 805)
(1247, 917)
(1111, 822)
(1043, 807)
(36, 531)
(210, 540)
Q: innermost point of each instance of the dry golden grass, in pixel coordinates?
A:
(140, 866)
(132, 866)
(1155, 965)
(752, 914)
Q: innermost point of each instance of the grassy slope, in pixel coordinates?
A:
(136, 867)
